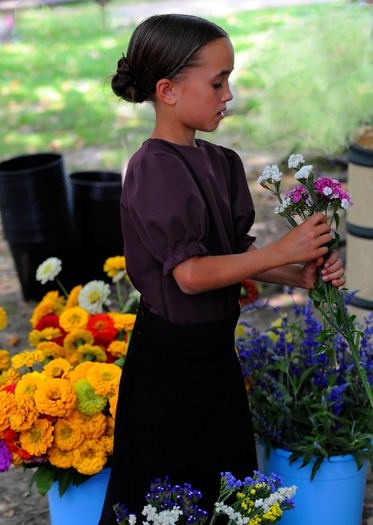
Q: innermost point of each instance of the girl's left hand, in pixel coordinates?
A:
(333, 270)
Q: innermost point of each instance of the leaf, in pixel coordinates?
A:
(315, 295)
(44, 477)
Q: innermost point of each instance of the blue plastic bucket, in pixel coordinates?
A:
(336, 494)
(79, 505)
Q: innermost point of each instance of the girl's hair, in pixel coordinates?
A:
(161, 47)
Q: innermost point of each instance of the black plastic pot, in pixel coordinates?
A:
(37, 219)
(96, 204)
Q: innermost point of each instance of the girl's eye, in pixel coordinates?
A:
(217, 86)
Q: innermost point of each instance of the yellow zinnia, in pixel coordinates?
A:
(29, 383)
(80, 372)
(52, 303)
(38, 438)
(57, 368)
(93, 427)
(72, 300)
(51, 349)
(124, 322)
(7, 408)
(55, 397)
(74, 318)
(108, 438)
(118, 348)
(27, 358)
(47, 334)
(9, 377)
(60, 458)
(92, 352)
(25, 413)
(114, 266)
(67, 436)
(4, 360)
(104, 378)
(113, 401)
(90, 457)
(77, 338)
(3, 318)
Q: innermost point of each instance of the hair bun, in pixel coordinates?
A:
(123, 83)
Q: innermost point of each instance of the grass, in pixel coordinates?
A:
(302, 81)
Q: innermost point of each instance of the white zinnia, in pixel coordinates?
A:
(48, 270)
(271, 174)
(295, 160)
(93, 296)
(304, 172)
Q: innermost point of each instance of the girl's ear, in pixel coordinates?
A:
(165, 91)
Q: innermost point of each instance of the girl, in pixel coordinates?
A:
(186, 213)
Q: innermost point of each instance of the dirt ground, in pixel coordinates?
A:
(22, 505)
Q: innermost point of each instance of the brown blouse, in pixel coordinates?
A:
(165, 220)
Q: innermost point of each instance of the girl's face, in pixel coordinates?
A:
(202, 92)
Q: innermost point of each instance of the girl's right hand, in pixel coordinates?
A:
(306, 242)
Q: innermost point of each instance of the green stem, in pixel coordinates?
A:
(344, 326)
(63, 289)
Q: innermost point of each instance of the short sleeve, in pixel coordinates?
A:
(166, 208)
(243, 212)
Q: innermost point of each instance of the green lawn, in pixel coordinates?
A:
(303, 79)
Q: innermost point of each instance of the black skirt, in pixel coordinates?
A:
(182, 412)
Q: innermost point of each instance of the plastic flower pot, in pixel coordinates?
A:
(37, 218)
(359, 247)
(335, 495)
(96, 204)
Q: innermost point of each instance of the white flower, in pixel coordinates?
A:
(295, 160)
(165, 517)
(327, 191)
(132, 519)
(276, 497)
(48, 270)
(234, 516)
(271, 174)
(304, 172)
(345, 204)
(93, 296)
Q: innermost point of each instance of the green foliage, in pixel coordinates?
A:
(302, 79)
(300, 400)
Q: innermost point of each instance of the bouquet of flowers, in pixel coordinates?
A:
(58, 398)
(299, 402)
(325, 195)
(257, 499)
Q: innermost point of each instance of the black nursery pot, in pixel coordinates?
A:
(37, 217)
(96, 205)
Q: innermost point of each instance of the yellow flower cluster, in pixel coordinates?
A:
(49, 414)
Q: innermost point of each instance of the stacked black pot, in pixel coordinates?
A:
(37, 218)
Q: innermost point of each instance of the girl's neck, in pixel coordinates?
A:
(176, 136)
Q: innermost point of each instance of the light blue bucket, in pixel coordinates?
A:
(336, 494)
(80, 505)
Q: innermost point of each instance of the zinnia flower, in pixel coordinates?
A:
(47, 334)
(24, 415)
(4, 360)
(55, 397)
(3, 318)
(72, 300)
(80, 372)
(77, 338)
(10, 377)
(118, 348)
(59, 368)
(74, 318)
(7, 408)
(88, 402)
(60, 458)
(52, 303)
(29, 383)
(104, 378)
(103, 329)
(37, 439)
(93, 427)
(124, 322)
(48, 270)
(90, 457)
(27, 358)
(94, 296)
(67, 436)
(115, 268)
